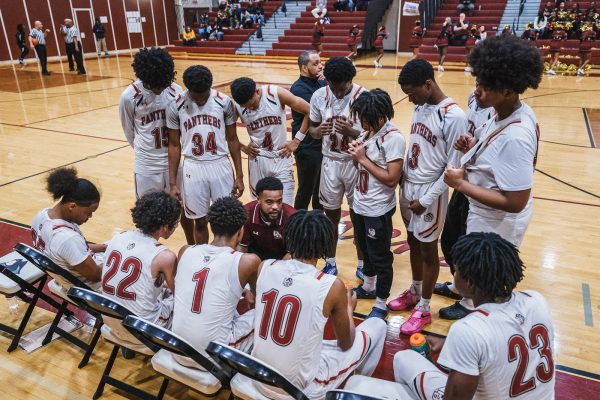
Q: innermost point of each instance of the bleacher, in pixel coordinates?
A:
(299, 36)
(232, 38)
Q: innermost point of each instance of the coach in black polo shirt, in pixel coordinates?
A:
(267, 216)
(308, 155)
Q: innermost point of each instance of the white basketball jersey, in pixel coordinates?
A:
(267, 124)
(289, 322)
(206, 296)
(373, 198)
(62, 242)
(434, 130)
(202, 128)
(323, 106)
(127, 273)
(510, 346)
(143, 114)
(476, 115)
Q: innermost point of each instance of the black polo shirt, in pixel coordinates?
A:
(304, 88)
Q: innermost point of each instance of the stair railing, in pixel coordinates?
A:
(517, 21)
(375, 13)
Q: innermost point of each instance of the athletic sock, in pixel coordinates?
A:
(467, 303)
(452, 288)
(369, 283)
(360, 264)
(330, 260)
(381, 303)
(423, 305)
(416, 287)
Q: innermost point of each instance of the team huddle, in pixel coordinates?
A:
(188, 171)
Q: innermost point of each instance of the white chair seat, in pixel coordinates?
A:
(378, 388)
(21, 267)
(245, 388)
(202, 381)
(109, 334)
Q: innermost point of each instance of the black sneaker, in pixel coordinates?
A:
(443, 290)
(363, 294)
(454, 312)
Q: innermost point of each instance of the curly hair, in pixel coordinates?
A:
(339, 69)
(416, 72)
(268, 183)
(226, 216)
(242, 90)
(154, 210)
(198, 78)
(489, 262)
(507, 62)
(310, 235)
(63, 184)
(373, 106)
(154, 67)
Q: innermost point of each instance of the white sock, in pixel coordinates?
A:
(381, 303)
(452, 288)
(467, 303)
(423, 305)
(369, 283)
(360, 264)
(330, 260)
(416, 286)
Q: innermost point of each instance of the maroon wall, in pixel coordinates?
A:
(155, 31)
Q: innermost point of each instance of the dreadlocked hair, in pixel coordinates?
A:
(489, 262)
(310, 235)
(373, 106)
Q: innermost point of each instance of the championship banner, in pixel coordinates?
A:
(410, 9)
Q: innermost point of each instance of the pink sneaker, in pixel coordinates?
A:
(403, 302)
(417, 320)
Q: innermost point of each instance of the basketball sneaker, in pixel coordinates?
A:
(440, 68)
(443, 290)
(415, 323)
(580, 72)
(403, 302)
(361, 293)
(359, 273)
(377, 312)
(330, 269)
(551, 72)
(454, 312)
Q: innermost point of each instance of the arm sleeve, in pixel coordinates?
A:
(315, 108)
(513, 168)
(464, 351)
(172, 115)
(230, 115)
(73, 249)
(127, 116)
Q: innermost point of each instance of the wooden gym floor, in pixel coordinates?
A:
(70, 120)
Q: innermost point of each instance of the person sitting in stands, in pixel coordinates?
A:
(189, 37)
(466, 6)
(320, 10)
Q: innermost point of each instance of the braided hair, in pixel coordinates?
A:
(310, 235)
(373, 106)
(489, 262)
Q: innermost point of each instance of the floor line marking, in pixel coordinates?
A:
(589, 128)
(587, 305)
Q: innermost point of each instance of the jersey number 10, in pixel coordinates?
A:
(280, 317)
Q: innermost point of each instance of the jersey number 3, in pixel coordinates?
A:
(280, 317)
(518, 350)
(415, 152)
(131, 266)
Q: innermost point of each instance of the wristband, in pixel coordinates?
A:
(300, 136)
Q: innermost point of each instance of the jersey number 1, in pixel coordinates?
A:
(160, 137)
(200, 279)
(415, 152)
(280, 317)
(132, 266)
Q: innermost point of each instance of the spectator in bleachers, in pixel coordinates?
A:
(466, 6)
(529, 33)
(320, 10)
(461, 31)
(246, 20)
(216, 33)
(260, 14)
(507, 31)
(443, 40)
(585, 47)
(559, 35)
(416, 38)
(482, 34)
(540, 25)
(222, 18)
(352, 42)
(340, 5)
(189, 37)
(591, 10)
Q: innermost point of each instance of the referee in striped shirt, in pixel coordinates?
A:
(73, 46)
(39, 34)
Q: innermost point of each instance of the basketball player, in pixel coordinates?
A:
(210, 281)
(379, 156)
(296, 300)
(55, 231)
(142, 110)
(137, 266)
(262, 110)
(201, 123)
(505, 349)
(330, 120)
(501, 157)
(456, 218)
(437, 123)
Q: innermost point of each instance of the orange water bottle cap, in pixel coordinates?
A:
(417, 339)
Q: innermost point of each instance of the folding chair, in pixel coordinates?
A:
(18, 277)
(208, 381)
(251, 369)
(359, 387)
(67, 279)
(112, 330)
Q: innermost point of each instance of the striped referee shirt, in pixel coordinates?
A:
(72, 34)
(39, 35)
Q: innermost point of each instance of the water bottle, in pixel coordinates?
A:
(13, 304)
(419, 344)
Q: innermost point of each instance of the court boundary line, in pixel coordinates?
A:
(567, 183)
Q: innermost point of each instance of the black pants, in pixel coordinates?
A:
(455, 225)
(78, 55)
(308, 166)
(40, 49)
(374, 237)
(24, 51)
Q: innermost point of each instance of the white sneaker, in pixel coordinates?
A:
(580, 72)
(440, 68)
(468, 69)
(551, 72)
(376, 63)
